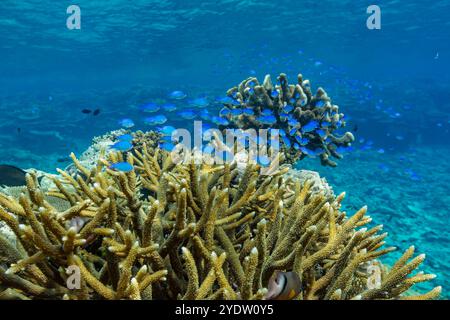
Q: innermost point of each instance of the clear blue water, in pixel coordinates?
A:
(393, 84)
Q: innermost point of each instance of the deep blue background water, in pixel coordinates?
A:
(392, 83)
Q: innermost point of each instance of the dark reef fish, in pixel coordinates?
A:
(283, 286)
(96, 112)
(11, 176)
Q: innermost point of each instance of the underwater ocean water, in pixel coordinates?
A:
(146, 64)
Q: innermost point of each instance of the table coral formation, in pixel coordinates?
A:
(166, 231)
(308, 122)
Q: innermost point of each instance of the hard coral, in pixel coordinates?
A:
(307, 122)
(166, 231)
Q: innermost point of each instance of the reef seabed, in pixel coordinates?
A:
(166, 231)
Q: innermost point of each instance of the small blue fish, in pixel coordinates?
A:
(155, 120)
(220, 121)
(177, 95)
(266, 112)
(283, 116)
(126, 123)
(286, 141)
(121, 166)
(288, 108)
(187, 114)
(321, 133)
(381, 151)
(310, 126)
(122, 146)
(236, 112)
(302, 141)
(274, 94)
(248, 111)
(224, 112)
(225, 100)
(293, 123)
(125, 137)
(199, 102)
(269, 119)
(293, 131)
(150, 107)
(169, 107)
(167, 130)
(204, 114)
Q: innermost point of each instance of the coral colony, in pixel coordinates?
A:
(307, 122)
(133, 224)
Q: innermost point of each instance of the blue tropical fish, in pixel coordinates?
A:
(150, 107)
(248, 111)
(224, 112)
(274, 94)
(169, 107)
(187, 114)
(286, 141)
(293, 131)
(302, 141)
(177, 95)
(121, 166)
(126, 123)
(225, 100)
(322, 133)
(269, 119)
(220, 121)
(155, 120)
(200, 102)
(236, 112)
(204, 114)
(310, 126)
(167, 130)
(288, 108)
(122, 146)
(293, 122)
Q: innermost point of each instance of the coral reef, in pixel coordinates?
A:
(101, 144)
(307, 122)
(166, 231)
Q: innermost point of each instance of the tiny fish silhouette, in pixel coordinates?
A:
(86, 111)
(96, 112)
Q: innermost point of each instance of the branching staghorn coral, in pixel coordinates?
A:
(308, 122)
(166, 231)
